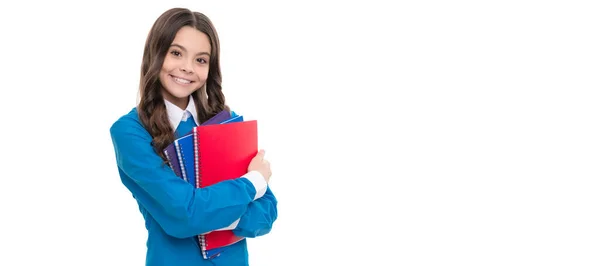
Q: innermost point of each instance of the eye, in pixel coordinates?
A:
(201, 60)
(175, 53)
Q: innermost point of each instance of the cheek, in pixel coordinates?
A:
(202, 73)
(167, 65)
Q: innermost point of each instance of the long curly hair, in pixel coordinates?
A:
(151, 108)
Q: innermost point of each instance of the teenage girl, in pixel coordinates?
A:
(180, 87)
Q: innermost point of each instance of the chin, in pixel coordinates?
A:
(180, 94)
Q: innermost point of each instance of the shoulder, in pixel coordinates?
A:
(128, 123)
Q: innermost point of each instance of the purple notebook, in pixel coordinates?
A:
(218, 118)
(171, 155)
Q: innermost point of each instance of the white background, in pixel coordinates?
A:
(419, 133)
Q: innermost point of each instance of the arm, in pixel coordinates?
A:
(180, 209)
(259, 218)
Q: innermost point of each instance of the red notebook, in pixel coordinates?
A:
(223, 152)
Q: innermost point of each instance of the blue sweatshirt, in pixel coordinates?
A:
(175, 212)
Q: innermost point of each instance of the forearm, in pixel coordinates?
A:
(259, 217)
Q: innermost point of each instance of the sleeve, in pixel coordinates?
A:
(180, 209)
(259, 218)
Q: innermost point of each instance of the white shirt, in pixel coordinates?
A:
(176, 115)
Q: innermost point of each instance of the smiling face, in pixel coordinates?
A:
(186, 65)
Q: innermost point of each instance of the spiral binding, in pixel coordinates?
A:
(201, 238)
(180, 156)
(168, 159)
(197, 157)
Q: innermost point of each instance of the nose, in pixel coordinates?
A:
(186, 68)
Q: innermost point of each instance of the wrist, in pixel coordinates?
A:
(258, 182)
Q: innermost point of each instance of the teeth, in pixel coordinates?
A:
(185, 81)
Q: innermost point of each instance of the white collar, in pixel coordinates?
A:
(176, 115)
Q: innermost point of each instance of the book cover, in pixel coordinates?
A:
(185, 149)
(218, 118)
(224, 152)
(172, 159)
(238, 118)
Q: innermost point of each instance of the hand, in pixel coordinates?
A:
(261, 165)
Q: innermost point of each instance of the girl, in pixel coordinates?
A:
(180, 87)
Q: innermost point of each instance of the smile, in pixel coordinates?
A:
(180, 80)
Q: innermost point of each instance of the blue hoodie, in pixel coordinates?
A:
(175, 212)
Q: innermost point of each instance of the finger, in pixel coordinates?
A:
(261, 154)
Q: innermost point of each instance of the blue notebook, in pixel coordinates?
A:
(184, 147)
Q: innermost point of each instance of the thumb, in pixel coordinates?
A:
(261, 154)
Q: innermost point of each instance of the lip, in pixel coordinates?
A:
(174, 78)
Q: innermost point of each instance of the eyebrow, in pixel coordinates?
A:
(183, 48)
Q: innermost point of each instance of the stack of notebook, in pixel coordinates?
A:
(219, 149)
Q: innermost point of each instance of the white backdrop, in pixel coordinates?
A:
(419, 133)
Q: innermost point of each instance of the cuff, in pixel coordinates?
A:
(230, 227)
(259, 183)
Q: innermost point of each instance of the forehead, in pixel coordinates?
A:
(193, 40)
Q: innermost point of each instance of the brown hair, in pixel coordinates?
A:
(209, 99)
